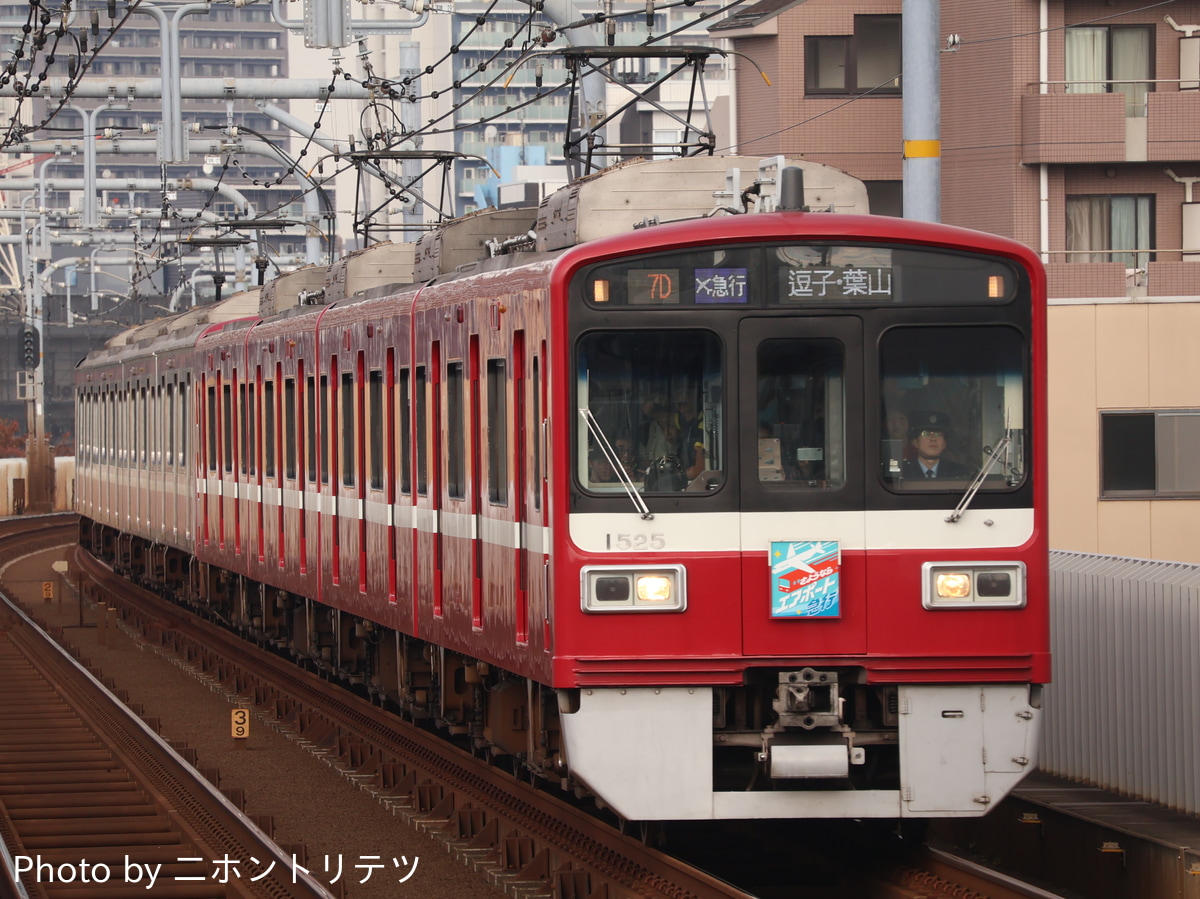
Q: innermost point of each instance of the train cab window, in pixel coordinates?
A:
(651, 410)
(955, 408)
(801, 413)
(497, 431)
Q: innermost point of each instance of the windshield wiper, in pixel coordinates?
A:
(993, 457)
(611, 455)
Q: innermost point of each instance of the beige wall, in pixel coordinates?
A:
(1112, 357)
(64, 482)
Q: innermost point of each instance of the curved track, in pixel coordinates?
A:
(519, 837)
(92, 802)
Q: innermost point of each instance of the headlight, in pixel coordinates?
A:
(621, 589)
(973, 585)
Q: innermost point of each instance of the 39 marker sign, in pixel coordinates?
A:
(240, 721)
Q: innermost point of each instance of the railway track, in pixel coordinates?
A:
(528, 843)
(522, 840)
(93, 803)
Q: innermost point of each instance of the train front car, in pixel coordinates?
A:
(806, 517)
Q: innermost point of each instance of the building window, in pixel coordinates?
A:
(1115, 59)
(1111, 229)
(1147, 454)
(867, 61)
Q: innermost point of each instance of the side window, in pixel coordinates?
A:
(422, 433)
(349, 428)
(326, 444)
(405, 433)
(456, 432)
(310, 428)
(249, 429)
(536, 389)
(185, 421)
(498, 427)
(243, 429)
(289, 428)
(269, 429)
(227, 427)
(172, 424)
(376, 426)
(210, 423)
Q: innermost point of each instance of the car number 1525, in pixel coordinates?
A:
(635, 542)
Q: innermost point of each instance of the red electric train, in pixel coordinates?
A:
(668, 490)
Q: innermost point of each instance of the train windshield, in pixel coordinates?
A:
(801, 411)
(953, 407)
(651, 408)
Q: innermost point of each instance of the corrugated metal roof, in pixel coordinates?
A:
(1179, 574)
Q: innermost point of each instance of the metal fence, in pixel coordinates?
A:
(1123, 711)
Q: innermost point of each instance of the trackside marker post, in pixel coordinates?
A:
(240, 726)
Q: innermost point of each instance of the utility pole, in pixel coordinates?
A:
(922, 116)
(39, 473)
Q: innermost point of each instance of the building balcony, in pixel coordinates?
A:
(1102, 127)
(547, 113)
(1108, 280)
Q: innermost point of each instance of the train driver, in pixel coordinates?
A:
(927, 436)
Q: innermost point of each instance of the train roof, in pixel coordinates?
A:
(618, 200)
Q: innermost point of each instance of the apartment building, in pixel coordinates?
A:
(1073, 127)
(93, 286)
(222, 42)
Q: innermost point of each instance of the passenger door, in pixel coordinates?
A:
(802, 497)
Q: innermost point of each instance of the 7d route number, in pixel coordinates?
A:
(634, 542)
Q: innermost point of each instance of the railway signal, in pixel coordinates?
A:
(31, 350)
